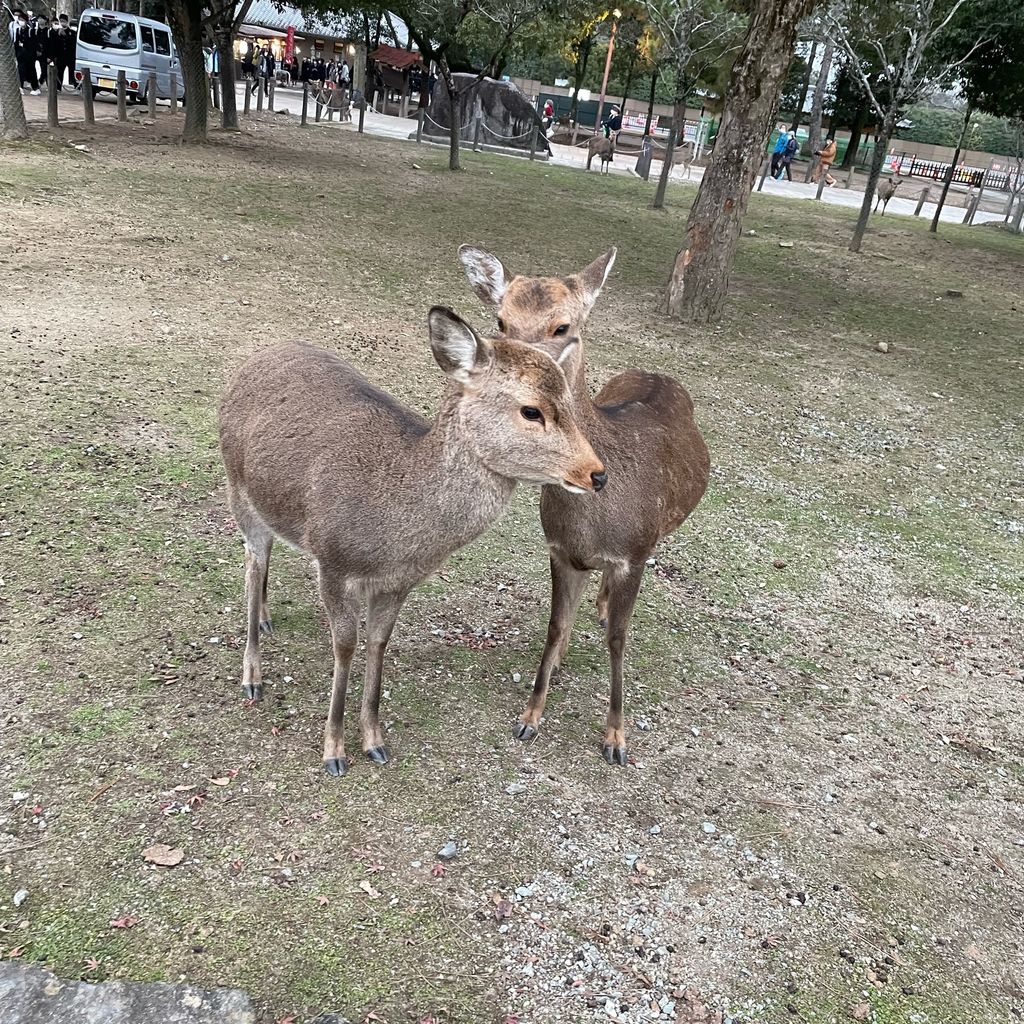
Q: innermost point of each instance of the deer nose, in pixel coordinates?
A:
(599, 479)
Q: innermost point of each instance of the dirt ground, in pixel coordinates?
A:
(822, 819)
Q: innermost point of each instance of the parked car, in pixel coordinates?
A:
(109, 41)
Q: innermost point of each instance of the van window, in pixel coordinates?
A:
(147, 39)
(163, 42)
(108, 32)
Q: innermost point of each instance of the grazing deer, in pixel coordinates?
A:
(604, 148)
(886, 190)
(688, 152)
(377, 495)
(643, 428)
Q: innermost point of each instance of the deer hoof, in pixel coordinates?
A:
(266, 626)
(253, 691)
(614, 755)
(379, 755)
(336, 766)
(525, 731)
(603, 622)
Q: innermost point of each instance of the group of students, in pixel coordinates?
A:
(40, 42)
(262, 65)
(787, 147)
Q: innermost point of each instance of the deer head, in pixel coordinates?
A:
(514, 406)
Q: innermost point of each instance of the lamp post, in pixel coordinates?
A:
(616, 14)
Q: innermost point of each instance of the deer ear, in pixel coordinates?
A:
(458, 349)
(486, 274)
(593, 276)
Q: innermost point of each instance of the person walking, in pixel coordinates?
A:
(70, 43)
(788, 152)
(54, 51)
(780, 146)
(267, 67)
(826, 157)
(25, 52)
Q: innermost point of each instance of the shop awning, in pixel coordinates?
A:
(260, 32)
(396, 58)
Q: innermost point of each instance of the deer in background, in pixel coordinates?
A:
(886, 190)
(378, 496)
(604, 148)
(642, 426)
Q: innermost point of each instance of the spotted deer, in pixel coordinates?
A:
(643, 428)
(886, 190)
(603, 148)
(379, 497)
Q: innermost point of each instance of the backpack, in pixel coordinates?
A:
(791, 147)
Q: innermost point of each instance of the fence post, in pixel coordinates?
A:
(362, 113)
(419, 123)
(270, 98)
(533, 143)
(921, 200)
(51, 97)
(260, 85)
(174, 93)
(151, 94)
(822, 178)
(305, 103)
(87, 97)
(850, 173)
(478, 120)
(969, 219)
(764, 172)
(972, 208)
(376, 94)
(319, 106)
(122, 96)
(248, 95)
(215, 91)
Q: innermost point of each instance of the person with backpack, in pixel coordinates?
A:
(788, 152)
(780, 145)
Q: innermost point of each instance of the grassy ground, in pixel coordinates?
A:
(848, 720)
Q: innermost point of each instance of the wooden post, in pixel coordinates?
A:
(764, 172)
(87, 97)
(51, 97)
(533, 142)
(420, 114)
(318, 107)
(248, 95)
(305, 103)
(972, 208)
(151, 94)
(822, 178)
(122, 97)
(328, 105)
(969, 219)
(921, 200)
(403, 108)
(850, 172)
(376, 94)
(174, 93)
(259, 94)
(362, 113)
(215, 91)
(477, 120)
(270, 98)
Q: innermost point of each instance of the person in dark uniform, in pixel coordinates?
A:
(268, 65)
(612, 123)
(25, 52)
(70, 42)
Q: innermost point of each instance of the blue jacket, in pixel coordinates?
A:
(780, 145)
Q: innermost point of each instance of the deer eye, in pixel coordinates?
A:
(561, 330)
(530, 412)
(501, 325)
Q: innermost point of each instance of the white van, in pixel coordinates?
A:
(109, 41)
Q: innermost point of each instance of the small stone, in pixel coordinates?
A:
(952, 293)
(20, 896)
(883, 347)
(517, 677)
(780, 563)
(709, 828)
(786, 245)
(751, 233)
(225, 258)
(416, 167)
(515, 788)
(449, 851)
(18, 796)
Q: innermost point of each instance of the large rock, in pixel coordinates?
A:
(508, 116)
(29, 995)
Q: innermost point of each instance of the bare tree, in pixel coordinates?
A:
(186, 19)
(818, 102)
(12, 107)
(903, 34)
(700, 277)
(224, 20)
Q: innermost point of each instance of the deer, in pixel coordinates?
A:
(886, 190)
(604, 148)
(378, 496)
(643, 428)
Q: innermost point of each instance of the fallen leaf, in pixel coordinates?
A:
(221, 780)
(502, 910)
(91, 963)
(290, 1019)
(860, 1011)
(369, 890)
(973, 953)
(124, 922)
(182, 789)
(323, 901)
(374, 869)
(15, 952)
(438, 871)
(163, 855)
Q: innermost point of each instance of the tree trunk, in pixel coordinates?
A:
(228, 104)
(454, 128)
(12, 107)
(856, 132)
(186, 20)
(818, 104)
(580, 69)
(700, 277)
(803, 89)
(1018, 217)
(877, 159)
(948, 177)
(678, 124)
(629, 80)
(650, 103)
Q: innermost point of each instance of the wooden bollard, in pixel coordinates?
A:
(215, 91)
(259, 94)
(319, 107)
(849, 174)
(764, 172)
(151, 94)
(533, 143)
(822, 178)
(476, 135)
(305, 103)
(376, 101)
(420, 114)
(122, 97)
(921, 200)
(248, 95)
(87, 97)
(51, 97)
(270, 98)
(362, 114)
(174, 92)
(972, 208)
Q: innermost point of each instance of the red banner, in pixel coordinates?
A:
(289, 44)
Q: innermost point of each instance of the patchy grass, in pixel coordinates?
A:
(825, 664)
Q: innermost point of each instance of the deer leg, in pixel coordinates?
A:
(602, 601)
(380, 622)
(567, 586)
(257, 553)
(622, 591)
(343, 615)
(266, 624)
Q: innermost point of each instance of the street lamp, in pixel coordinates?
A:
(616, 14)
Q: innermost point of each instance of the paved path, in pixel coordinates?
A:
(388, 126)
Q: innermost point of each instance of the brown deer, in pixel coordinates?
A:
(377, 495)
(886, 190)
(604, 148)
(643, 428)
